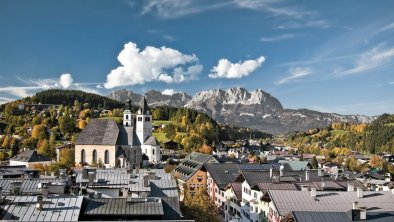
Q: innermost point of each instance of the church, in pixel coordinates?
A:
(116, 145)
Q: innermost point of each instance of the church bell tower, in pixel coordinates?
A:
(143, 121)
(127, 117)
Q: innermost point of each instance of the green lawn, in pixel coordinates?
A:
(117, 119)
(161, 122)
(161, 137)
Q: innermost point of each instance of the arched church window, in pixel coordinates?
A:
(127, 116)
(94, 159)
(83, 156)
(127, 124)
(106, 157)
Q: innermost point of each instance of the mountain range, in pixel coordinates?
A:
(237, 106)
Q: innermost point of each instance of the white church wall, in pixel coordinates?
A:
(100, 149)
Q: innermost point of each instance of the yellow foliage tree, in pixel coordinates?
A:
(39, 132)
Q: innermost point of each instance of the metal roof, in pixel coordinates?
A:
(30, 156)
(144, 108)
(276, 186)
(55, 208)
(127, 136)
(295, 164)
(29, 186)
(223, 173)
(99, 132)
(287, 201)
(151, 141)
(307, 216)
(124, 206)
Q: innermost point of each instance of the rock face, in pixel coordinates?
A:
(155, 98)
(237, 106)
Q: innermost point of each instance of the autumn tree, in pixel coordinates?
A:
(39, 132)
(206, 149)
(314, 163)
(45, 149)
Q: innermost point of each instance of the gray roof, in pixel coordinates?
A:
(276, 186)
(30, 156)
(29, 186)
(194, 162)
(127, 136)
(223, 173)
(200, 157)
(307, 216)
(151, 141)
(99, 132)
(171, 208)
(125, 206)
(286, 201)
(295, 164)
(55, 208)
(258, 166)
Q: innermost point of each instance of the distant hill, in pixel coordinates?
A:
(68, 97)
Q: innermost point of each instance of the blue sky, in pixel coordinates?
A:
(330, 56)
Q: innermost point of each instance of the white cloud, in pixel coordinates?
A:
(152, 64)
(169, 92)
(277, 38)
(294, 74)
(305, 24)
(65, 80)
(5, 100)
(371, 59)
(273, 6)
(99, 86)
(387, 27)
(226, 69)
(391, 83)
(170, 9)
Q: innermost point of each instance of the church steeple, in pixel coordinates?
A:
(127, 117)
(144, 121)
(144, 108)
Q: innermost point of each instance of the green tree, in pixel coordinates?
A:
(314, 163)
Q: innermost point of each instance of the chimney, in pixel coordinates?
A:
(350, 187)
(307, 175)
(281, 170)
(62, 173)
(146, 180)
(363, 213)
(91, 178)
(319, 172)
(304, 187)
(271, 172)
(52, 174)
(313, 192)
(360, 192)
(16, 187)
(355, 205)
(40, 202)
(44, 190)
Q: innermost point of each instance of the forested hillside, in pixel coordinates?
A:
(372, 138)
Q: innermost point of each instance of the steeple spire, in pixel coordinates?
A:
(144, 108)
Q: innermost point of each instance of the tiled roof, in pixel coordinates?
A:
(286, 201)
(127, 136)
(237, 187)
(99, 132)
(30, 156)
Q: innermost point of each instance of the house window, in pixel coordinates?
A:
(127, 116)
(94, 159)
(139, 119)
(106, 157)
(147, 119)
(153, 152)
(83, 156)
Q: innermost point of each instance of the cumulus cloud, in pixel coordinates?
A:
(294, 74)
(65, 80)
(169, 92)
(152, 64)
(226, 69)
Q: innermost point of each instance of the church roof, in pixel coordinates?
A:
(30, 156)
(144, 108)
(127, 136)
(151, 141)
(99, 132)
